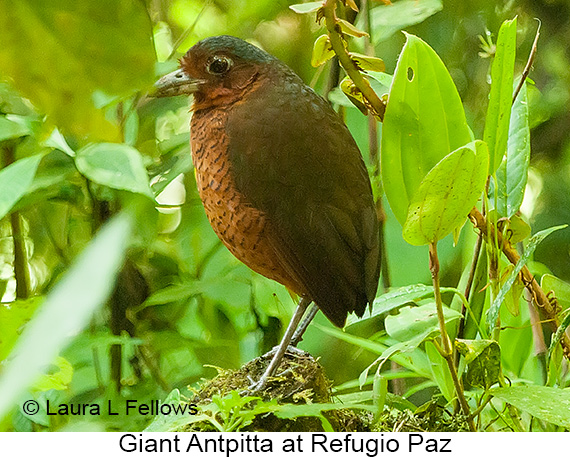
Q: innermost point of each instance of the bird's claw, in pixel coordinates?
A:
(258, 386)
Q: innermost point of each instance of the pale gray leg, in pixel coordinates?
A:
(282, 348)
(298, 335)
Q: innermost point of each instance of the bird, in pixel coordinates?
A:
(281, 178)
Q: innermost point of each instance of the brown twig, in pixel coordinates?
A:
(539, 297)
(529, 63)
(337, 43)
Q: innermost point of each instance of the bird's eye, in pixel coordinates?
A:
(219, 65)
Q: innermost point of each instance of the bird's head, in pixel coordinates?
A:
(216, 71)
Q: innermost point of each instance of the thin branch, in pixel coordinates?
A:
(539, 297)
(337, 43)
(529, 63)
(446, 350)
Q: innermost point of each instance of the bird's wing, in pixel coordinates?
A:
(295, 160)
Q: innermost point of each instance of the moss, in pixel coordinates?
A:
(300, 381)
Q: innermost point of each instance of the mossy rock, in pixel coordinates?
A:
(300, 381)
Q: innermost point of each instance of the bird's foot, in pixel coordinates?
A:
(258, 386)
(290, 350)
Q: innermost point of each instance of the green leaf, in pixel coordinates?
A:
(304, 8)
(13, 317)
(353, 94)
(57, 141)
(388, 19)
(10, 128)
(59, 380)
(417, 320)
(439, 371)
(368, 63)
(350, 29)
(483, 359)
(380, 390)
(512, 174)
(447, 194)
(517, 230)
(392, 300)
(59, 52)
(513, 296)
(493, 312)
(384, 79)
(500, 99)
(115, 165)
(322, 51)
(365, 343)
(558, 335)
(169, 422)
(477, 298)
(550, 404)
(66, 310)
(560, 288)
(15, 180)
(424, 122)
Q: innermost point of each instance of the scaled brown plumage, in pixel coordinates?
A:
(281, 178)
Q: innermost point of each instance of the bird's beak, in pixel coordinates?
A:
(176, 83)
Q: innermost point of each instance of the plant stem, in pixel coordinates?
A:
(344, 59)
(21, 271)
(446, 348)
(539, 297)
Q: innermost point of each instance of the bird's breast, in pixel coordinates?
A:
(244, 229)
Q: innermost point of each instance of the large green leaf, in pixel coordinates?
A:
(500, 99)
(66, 310)
(546, 403)
(512, 174)
(15, 180)
(447, 194)
(424, 122)
(115, 165)
(58, 53)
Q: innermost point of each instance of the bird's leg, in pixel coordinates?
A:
(282, 348)
(298, 335)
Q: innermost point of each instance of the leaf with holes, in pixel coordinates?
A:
(424, 122)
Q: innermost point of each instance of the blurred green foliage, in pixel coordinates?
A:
(85, 66)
